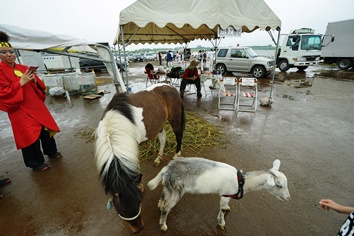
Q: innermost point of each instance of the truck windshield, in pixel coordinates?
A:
(251, 53)
(311, 42)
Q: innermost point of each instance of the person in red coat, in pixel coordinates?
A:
(22, 96)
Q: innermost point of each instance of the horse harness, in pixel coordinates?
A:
(241, 182)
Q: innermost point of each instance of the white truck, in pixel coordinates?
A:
(341, 51)
(301, 49)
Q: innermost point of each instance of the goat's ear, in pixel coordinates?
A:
(270, 180)
(276, 164)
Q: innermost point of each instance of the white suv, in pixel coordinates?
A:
(243, 59)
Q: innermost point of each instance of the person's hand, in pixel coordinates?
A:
(328, 204)
(26, 77)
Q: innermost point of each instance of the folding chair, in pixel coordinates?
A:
(175, 76)
(151, 75)
(247, 95)
(227, 93)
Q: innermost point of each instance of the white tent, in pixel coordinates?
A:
(28, 39)
(170, 21)
(36, 40)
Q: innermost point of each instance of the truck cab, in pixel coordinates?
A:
(301, 48)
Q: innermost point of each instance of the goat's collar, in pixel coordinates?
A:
(241, 182)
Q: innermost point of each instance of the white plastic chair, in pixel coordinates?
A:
(227, 93)
(247, 95)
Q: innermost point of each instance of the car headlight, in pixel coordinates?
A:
(300, 59)
(271, 63)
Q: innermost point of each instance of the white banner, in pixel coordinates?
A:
(229, 32)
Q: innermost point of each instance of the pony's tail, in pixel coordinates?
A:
(157, 180)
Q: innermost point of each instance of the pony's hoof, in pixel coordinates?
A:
(156, 163)
(176, 157)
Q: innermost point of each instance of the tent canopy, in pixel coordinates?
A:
(36, 40)
(170, 21)
(29, 39)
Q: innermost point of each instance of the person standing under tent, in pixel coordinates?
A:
(211, 59)
(204, 57)
(160, 57)
(169, 58)
(22, 96)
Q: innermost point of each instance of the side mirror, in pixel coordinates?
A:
(332, 38)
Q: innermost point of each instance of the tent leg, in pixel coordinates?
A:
(68, 98)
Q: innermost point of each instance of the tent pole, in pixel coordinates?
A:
(126, 70)
(275, 66)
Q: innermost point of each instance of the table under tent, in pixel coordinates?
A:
(155, 21)
(28, 40)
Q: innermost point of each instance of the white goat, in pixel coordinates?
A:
(199, 175)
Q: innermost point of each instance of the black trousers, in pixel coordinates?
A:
(184, 83)
(33, 156)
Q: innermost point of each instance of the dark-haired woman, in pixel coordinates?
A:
(22, 96)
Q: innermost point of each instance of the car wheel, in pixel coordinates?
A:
(258, 71)
(221, 68)
(301, 68)
(283, 65)
(86, 69)
(343, 63)
(121, 67)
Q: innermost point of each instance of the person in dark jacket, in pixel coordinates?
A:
(168, 58)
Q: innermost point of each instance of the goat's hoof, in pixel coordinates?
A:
(160, 204)
(164, 227)
(222, 227)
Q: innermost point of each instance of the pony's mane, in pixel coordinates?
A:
(120, 103)
(110, 145)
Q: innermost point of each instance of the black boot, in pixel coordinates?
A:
(199, 94)
(181, 94)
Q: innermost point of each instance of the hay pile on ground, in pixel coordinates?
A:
(198, 134)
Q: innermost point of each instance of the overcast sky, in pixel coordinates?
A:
(97, 20)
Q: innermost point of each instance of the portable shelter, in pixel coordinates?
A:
(170, 21)
(35, 40)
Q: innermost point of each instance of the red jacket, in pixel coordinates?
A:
(190, 73)
(24, 105)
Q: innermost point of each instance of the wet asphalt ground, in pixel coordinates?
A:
(309, 127)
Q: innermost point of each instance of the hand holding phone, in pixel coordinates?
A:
(33, 68)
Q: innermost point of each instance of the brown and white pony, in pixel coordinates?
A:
(127, 121)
